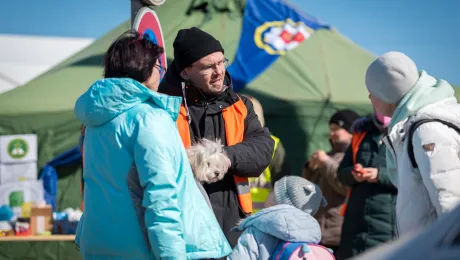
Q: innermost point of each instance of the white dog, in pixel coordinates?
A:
(209, 160)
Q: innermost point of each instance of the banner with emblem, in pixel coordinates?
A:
(271, 28)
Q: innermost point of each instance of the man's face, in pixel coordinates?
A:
(208, 73)
(338, 135)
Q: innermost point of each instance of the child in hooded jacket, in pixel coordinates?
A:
(291, 220)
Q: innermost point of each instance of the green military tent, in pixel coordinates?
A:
(299, 91)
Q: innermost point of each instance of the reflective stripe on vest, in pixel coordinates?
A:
(355, 143)
(234, 117)
(267, 173)
(261, 186)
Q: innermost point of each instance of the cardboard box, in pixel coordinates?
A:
(16, 194)
(41, 220)
(12, 172)
(18, 148)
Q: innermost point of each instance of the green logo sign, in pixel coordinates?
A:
(16, 199)
(18, 148)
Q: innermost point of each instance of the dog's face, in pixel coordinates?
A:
(209, 161)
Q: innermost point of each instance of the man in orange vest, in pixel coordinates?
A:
(212, 110)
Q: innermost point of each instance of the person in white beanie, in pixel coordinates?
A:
(423, 140)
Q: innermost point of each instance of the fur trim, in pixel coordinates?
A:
(368, 124)
(363, 124)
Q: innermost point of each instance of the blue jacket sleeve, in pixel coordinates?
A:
(154, 156)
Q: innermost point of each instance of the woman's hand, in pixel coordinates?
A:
(361, 174)
(358, 173)
(318, 160)
(371, 174)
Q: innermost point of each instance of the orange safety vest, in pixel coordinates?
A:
(355, 143)
(234, 117)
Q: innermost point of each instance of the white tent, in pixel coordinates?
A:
(24, 57)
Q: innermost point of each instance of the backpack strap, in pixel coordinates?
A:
(414, 126)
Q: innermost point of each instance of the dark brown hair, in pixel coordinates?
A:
(132, 55)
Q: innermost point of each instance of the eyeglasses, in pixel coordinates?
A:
(213, 67)
(161, 69)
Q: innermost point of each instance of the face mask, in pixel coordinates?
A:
(385, 120)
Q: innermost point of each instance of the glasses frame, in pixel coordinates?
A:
(161, 69)
(211, 68)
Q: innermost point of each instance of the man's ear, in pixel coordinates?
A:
(184, 74)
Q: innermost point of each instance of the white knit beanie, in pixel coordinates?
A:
(391, 76)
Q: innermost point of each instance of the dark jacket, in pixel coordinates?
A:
(334, 191)
(249, 158)
(370, 216)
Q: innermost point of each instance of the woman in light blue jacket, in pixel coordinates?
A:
(291, 220)
(141, 199)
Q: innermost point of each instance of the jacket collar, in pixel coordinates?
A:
(427, 90)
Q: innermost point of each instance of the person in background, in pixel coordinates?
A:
(369, 210)
(278, 168)
(321, 169)
(212, 110)
(291, 220)
(423, 141)
(141, 199)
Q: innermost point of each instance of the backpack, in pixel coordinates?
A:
(300, 250)
(413, 127)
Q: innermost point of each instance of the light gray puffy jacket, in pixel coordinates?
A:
(270, 226)
(434, 188)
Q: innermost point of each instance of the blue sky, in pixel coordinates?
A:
(426, 30)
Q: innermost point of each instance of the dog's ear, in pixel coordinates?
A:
(194, 156)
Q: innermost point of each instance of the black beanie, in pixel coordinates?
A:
(193, 44)
(344, 119)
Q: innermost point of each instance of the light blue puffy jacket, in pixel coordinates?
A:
(271, 226)
(141, 199)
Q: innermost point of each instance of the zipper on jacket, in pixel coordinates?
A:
(386, 139)
(392, 148)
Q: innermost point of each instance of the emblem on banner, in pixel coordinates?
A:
(279, 37)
